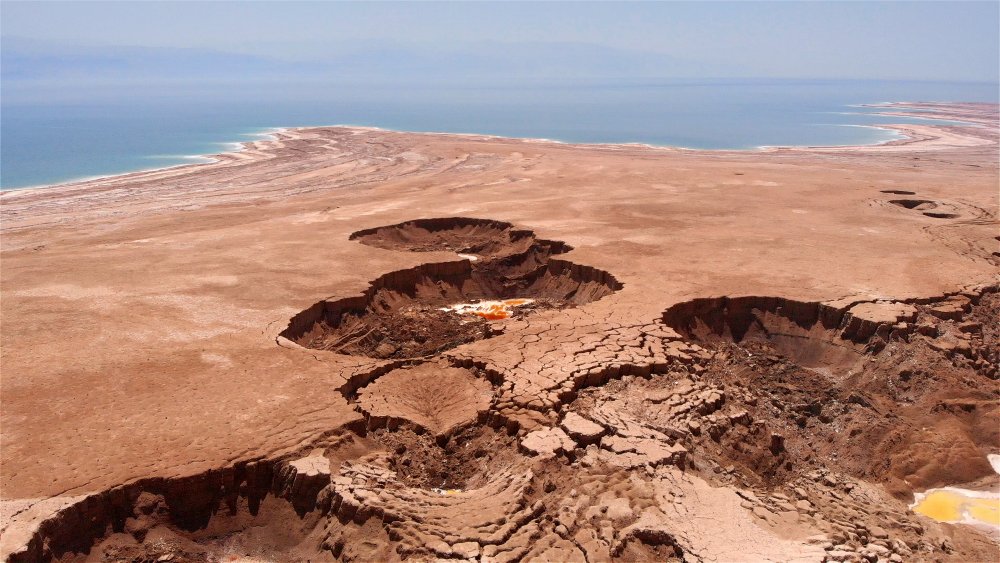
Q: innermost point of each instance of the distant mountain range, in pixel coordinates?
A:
(24, 59)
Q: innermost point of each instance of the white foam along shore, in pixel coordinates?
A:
(232, 147)
(898, 131)
(270, 134)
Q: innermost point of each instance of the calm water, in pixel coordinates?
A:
(49, 143)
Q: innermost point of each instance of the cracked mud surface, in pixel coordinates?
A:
(674, 392)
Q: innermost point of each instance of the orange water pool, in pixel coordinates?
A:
(957, 505)
(953, 504)
(489, 310)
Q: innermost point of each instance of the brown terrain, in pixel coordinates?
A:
(722, 355)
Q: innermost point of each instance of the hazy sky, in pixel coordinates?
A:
(891, 40)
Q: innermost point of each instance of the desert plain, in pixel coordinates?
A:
(704, 355)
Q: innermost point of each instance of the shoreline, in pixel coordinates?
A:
(907, 135)
(265, 134)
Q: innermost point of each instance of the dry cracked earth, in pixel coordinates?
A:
(635, 406)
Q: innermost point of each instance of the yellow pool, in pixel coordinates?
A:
(958, 505)
(964, 506)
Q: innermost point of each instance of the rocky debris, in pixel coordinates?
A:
(495, 520)
(552, 547)
(582, 430)
(971, 327)
(547, 441)
(567, 362)
(637, 452)
(650, 528)
(777, 443)
(927, 327)
(302, 479)
(648, 422)
(460, 461)
(957, 329)
(865, 320)
(859, 522)
(951, 345)
(951, 309)
(148, 511)
(616, 415)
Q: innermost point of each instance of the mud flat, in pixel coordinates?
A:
(762, 355)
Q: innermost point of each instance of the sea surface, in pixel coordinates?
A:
(48, 142)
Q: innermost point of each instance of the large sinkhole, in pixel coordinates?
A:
(503, 272)
(812, 335)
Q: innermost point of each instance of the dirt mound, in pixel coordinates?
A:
(431, 396)
(403, 314)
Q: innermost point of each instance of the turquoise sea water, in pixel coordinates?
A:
(44, 143)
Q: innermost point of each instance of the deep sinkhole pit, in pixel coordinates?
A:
(424, 310)
(465, 460)
(812, 335)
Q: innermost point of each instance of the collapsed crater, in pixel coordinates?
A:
(348, 494)
(465, 460)
(470, 236)
(878, 395)
(436, 306)
(812, 335)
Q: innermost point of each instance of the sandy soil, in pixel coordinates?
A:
(738, 355)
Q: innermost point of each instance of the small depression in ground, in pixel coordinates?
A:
(919, 204)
